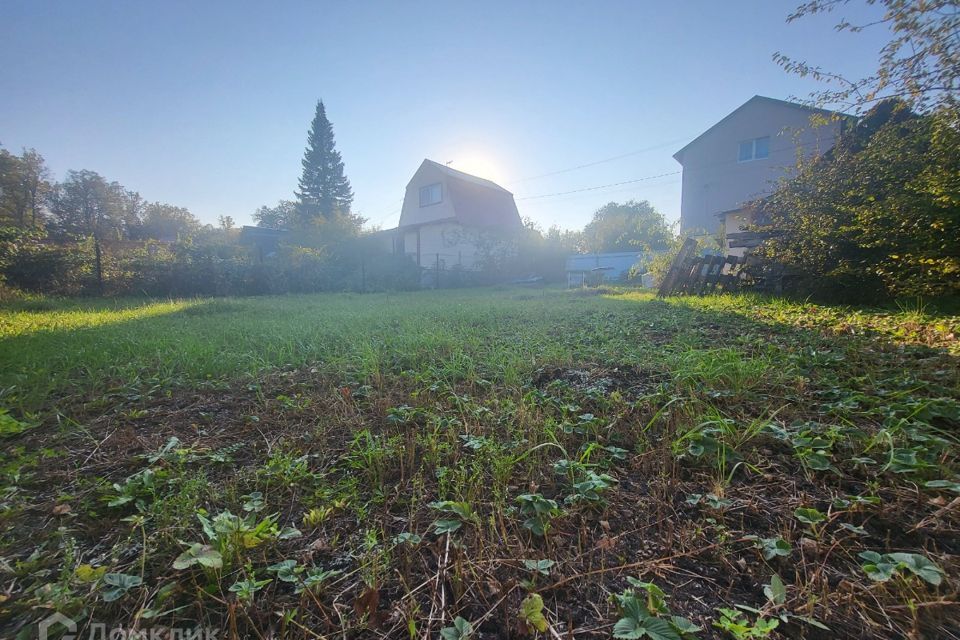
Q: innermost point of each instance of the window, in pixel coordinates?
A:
(755, 149)
(431, 194)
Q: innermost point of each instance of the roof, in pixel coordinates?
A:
(470, 200)
(796, 105)
(460, 175)
(254, 235)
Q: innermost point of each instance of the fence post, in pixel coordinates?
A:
(438, 271)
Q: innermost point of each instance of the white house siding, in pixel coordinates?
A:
(715, 181)
(412, 213)
(450, 243)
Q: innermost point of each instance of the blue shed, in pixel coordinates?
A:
(595, 268)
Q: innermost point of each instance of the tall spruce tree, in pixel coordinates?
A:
(324, 190)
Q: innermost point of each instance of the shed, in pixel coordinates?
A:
(596, 268)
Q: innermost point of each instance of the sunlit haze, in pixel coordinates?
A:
(206, 105)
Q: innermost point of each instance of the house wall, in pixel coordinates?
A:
(734, 222)
(713, 179)
(412, 212)
(452, 243)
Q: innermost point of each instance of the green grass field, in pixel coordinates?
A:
(485, 463)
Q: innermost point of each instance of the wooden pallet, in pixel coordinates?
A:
(690, 274)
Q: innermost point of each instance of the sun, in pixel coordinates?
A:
(477, 164)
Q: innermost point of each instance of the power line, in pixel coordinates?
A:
(662, 175)
(602, 186)
(596, 162)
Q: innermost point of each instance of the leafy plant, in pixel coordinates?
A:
(462, 510)
(203, 554)
(531, 612)
(315, 579)
(640, 617)
(461, 630)
(247, 588)
(316, 516)
(740, 627)
(539, 566)
(116, 585)
(772, 547)
(286, 570)
(881, 568)
(140, 488)
(538, 511)
(810, 517)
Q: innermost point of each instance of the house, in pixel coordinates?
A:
(741, 158)
(265, 241)
(453, 220)
(596, 268)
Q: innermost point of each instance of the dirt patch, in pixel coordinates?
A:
(631, 382)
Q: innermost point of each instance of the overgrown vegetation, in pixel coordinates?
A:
(478, 464)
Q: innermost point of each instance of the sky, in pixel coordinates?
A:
(206, 105)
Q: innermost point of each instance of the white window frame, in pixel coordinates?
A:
(753, 149)
(428, 190)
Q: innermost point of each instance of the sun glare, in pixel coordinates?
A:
(479, 165)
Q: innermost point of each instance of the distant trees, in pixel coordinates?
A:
(24, 187)
(877, 216)
(282, 216)
(631, 226)
(324, 191)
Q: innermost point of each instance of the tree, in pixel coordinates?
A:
(631, 226)
(920, 64)
(161, 221)
(24, 186)
(85, 204)
(282, 216)
(324, 191)
(876, 216)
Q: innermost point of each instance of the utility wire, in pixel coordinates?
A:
(596, 162)
(602, 186)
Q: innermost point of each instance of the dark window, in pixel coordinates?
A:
(431, 194)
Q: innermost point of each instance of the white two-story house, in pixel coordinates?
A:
(741, 158)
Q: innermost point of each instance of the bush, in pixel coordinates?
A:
(876, 217)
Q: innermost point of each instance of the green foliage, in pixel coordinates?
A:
(199, 554)
(538, 511)
(881, 568)
(531, 612)
(631, 226)
(247, 588)
(772, 547)
(640, 617)
(462, 510)
(324, 191)
(116, 585)
(878, 215)
(740, 627)
(461, 630)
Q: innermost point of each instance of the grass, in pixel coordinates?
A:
(498, 461)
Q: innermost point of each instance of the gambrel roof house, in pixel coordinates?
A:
(741, 158)
(448, 217)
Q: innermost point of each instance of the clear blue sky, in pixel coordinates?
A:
(206, 105)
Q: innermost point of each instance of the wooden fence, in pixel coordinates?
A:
(691, 274)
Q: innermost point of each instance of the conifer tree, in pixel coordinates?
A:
(324, 190)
